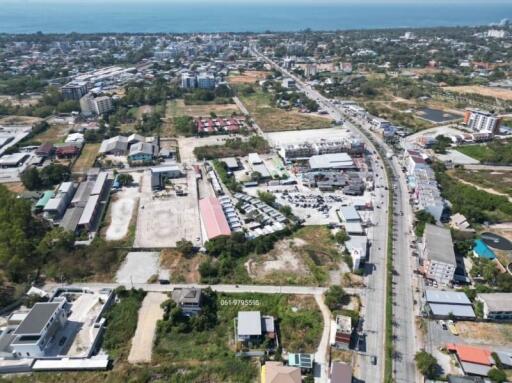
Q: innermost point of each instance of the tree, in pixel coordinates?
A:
(125, 179)
(31, 179)
(426, 363)
(185, 247)
(267, 197)
(497, 375)
(341, 236)
(334, 297)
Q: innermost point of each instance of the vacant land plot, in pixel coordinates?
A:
(138, 267)
(188, 144)
(15, 187)
(165, 219)
(248, 77)
(485, 333)
(121, 210)
(149, 314)
(19, 120)
(54, 134)
(183, 269)
(177, 108)
(271, 119)
(503, 94)
(87, 158)
(498, 181)
(305, 259)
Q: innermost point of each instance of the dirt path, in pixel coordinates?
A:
(323, 347)
(488, 190)
(142, 342)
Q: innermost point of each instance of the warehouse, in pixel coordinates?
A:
(90, 213)
(446, 304)
(213, 220)
(160, 174)
(496, 306)
(13, 160)
(331, 161)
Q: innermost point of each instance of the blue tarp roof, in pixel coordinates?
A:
(482, 250)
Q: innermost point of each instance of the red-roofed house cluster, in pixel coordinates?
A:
(220, 125)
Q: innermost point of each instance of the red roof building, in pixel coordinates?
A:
(213, 220)
(472, 360)
(220, 125)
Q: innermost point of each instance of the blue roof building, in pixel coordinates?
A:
(480, 249)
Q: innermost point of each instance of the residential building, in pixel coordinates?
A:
(213, 220)
(496, 306)
(220, 125)
(356, 245)
(276, 372)
(56, 206)
(254, 159)
(472, 360)
(44, 150)
(438, 255)
(67, 151)
(342, 332)
(465, 379)
(446, 304)
(341, 373)
(303, 361)
(142, 152)
(252, 327)
(482, 121)
(188, 81)
(37, 331)
(206, 81)
(116, 146)
(310, 70)
(74, 90)
(289, 83)
(188, 299)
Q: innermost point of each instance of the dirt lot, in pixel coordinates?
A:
(142, 342)
(19, 120)
(33, 100)
(188, 144)
(183, 270)
(248, 77)
(87, 158)
(305, 259)
(54, 134)
(503, 94)
(15, 187)
(165, 219)
(485, 333)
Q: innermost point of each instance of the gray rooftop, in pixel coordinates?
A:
(37, 319)
(350, 213)
(446, 297)
(497, 301)
(331, 161)
(249, 323)
(187, 295)
(459, 311)
(439, 245)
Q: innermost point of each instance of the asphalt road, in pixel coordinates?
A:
(404, 329)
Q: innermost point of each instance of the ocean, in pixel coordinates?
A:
(150, 16)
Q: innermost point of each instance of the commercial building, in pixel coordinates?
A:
(482, 121)
(357, 246)
(35, 333)
(303, 151)
(438, 255)
(425, 192)
(445, 304)
(13, 160)
(289, 83)
(497, 306)
(213, 220)
(254, 159)
(160, 175)
(331, 161)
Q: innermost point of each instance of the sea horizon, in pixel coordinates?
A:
(157, 16)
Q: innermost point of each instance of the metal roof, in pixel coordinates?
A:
(100, 183)
(341, 373)
(446, 297)
(350, 213)
(89, 209)
(497, 301)
(301, 360)
(439, 245)
(331, 161)
(459, 311)
(249, 323)
(213, 218)
(37, 319)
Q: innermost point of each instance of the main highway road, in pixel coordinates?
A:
(404, 329)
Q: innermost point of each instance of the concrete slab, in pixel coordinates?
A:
(138, 267)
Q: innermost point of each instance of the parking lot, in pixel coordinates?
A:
(311, 135)
(165, 218)
(138, 267)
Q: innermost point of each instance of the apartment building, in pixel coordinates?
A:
(74, 90)
(91, 105)
(206, 81)
(481, 121)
